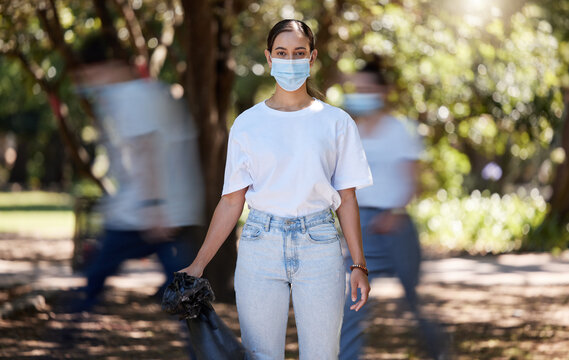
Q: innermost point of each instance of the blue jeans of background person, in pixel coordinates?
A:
(397, 253)
(278, 257)
(118, 246)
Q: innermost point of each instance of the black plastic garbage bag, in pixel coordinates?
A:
(190, 298)
(186, 295)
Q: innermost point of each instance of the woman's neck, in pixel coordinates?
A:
(290, 100)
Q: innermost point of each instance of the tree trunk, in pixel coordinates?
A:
(560, 196)
(208, 83)
(54, 162)
(551, 233)
(19, 171)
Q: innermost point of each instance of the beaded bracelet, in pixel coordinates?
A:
(359, 266)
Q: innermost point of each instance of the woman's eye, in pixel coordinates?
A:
(281, 53)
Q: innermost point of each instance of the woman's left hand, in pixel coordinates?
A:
(358, 280)
(385, 223)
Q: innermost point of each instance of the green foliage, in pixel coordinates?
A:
(483, 81)
(482, 78)
(23, 108)
(86, 189)
(445, 167)
(548, 236)
(480, 223)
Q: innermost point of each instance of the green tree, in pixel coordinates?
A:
(186, 42)
(484, 78)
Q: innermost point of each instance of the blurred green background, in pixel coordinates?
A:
(486, 80)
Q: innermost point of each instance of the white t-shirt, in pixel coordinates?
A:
(294, 163)
(389, 147)
(130, 111)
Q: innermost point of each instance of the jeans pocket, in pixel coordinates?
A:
(323, 233)
(250, 232)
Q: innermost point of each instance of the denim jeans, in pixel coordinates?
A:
(120, 245)
(278, 257)
(397, 253)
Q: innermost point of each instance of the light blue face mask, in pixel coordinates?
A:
(290, 74)
(361, 104)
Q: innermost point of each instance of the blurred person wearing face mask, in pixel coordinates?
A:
(390, 240)
(151, 143)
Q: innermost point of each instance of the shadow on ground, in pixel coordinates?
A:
(485, 318)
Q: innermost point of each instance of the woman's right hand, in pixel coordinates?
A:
(193, 270)
(224, 218)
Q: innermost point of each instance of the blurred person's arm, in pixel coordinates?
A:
(412, 168)
(389, 220)
(225, 217)
(349, 217)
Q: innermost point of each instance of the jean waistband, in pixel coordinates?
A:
(302, 222)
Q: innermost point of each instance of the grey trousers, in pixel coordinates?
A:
(398, 254)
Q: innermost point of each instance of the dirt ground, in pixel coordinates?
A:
(509, 307)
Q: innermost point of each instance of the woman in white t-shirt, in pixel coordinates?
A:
(294, 159)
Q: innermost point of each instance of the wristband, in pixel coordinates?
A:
(398, 211)
(359, 266)
(151, 202)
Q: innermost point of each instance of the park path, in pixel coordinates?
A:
(44, 264)
(494, 307)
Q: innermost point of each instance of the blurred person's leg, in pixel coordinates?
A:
(377, 253)
(179, 253)
(406, 255)
(117, 246)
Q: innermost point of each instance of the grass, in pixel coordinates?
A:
(37, 214)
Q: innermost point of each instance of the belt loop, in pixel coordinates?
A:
(303, 224)
(268, 223)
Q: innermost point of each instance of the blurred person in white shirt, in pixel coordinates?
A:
(390, 240)
(151, 142)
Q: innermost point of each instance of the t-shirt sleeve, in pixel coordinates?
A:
(352, 169)
(237, 169)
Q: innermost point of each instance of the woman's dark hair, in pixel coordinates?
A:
(290, 25)
(99, 47)
(378, 73)
(295, 25)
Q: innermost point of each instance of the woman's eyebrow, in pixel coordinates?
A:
(297, 48)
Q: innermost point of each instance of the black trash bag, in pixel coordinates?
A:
(211, 339)
(186, 295)
(190, 297)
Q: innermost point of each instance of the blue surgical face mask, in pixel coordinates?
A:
(361, 104)
(290, 74)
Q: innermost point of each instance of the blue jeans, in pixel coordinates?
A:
(278, 257)
(397, 253)
(120, 245)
